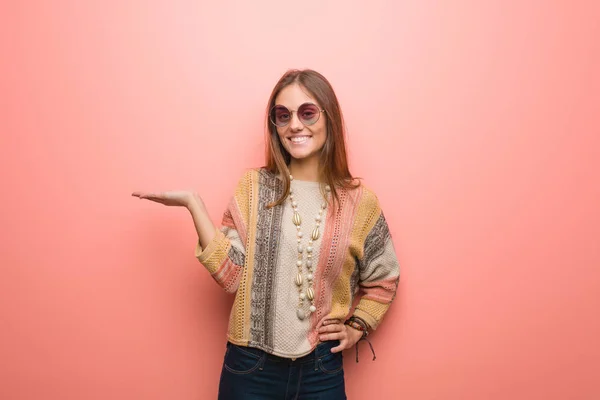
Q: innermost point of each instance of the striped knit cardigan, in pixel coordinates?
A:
(356, 256)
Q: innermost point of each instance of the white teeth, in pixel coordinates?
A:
(299, 139)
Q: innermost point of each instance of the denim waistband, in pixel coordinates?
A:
(322, 349)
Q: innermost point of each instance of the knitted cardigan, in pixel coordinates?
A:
(357, 257)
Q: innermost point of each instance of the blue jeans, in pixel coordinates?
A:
(252, 374)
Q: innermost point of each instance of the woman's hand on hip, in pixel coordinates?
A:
(333, 330)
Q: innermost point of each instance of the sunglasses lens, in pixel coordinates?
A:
(308, 113)
(280, 115)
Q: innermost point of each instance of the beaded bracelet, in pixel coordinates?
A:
(360, 320)
(359, 324)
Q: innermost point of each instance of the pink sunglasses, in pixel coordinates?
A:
(308, 114)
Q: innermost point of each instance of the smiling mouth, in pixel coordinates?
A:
(299, 139)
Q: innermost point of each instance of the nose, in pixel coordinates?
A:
(295, 124)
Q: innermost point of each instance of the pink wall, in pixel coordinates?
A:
(475, 122)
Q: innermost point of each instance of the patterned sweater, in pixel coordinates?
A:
(250, 256)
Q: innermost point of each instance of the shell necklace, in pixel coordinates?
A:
(309, 294)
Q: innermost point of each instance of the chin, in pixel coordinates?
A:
(300, 155)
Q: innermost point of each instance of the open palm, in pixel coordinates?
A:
(181, 198)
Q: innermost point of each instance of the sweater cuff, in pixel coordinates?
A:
(371, 311)
(215, 252)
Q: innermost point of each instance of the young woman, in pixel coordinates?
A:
(300, 239)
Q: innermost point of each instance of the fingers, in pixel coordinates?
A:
(333, 336)
(341, 347)
(157, 198)
(334, 331)
(331, 328)
(168, 198)
(149, 196)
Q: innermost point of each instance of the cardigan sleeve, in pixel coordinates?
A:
(225, 255)
(378, 271)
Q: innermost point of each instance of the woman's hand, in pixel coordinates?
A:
(334, 330)
(181, 198)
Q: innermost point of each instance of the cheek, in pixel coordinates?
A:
(281, 136)
(321, 132)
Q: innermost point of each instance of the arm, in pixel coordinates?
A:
(222, 251)
(204, 226)
(378, 273)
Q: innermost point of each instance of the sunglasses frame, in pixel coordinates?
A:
(292, 113)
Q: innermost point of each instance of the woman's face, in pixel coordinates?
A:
(303, 142)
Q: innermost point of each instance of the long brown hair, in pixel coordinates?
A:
(333, 161)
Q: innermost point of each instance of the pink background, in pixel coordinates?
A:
(475, 122)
